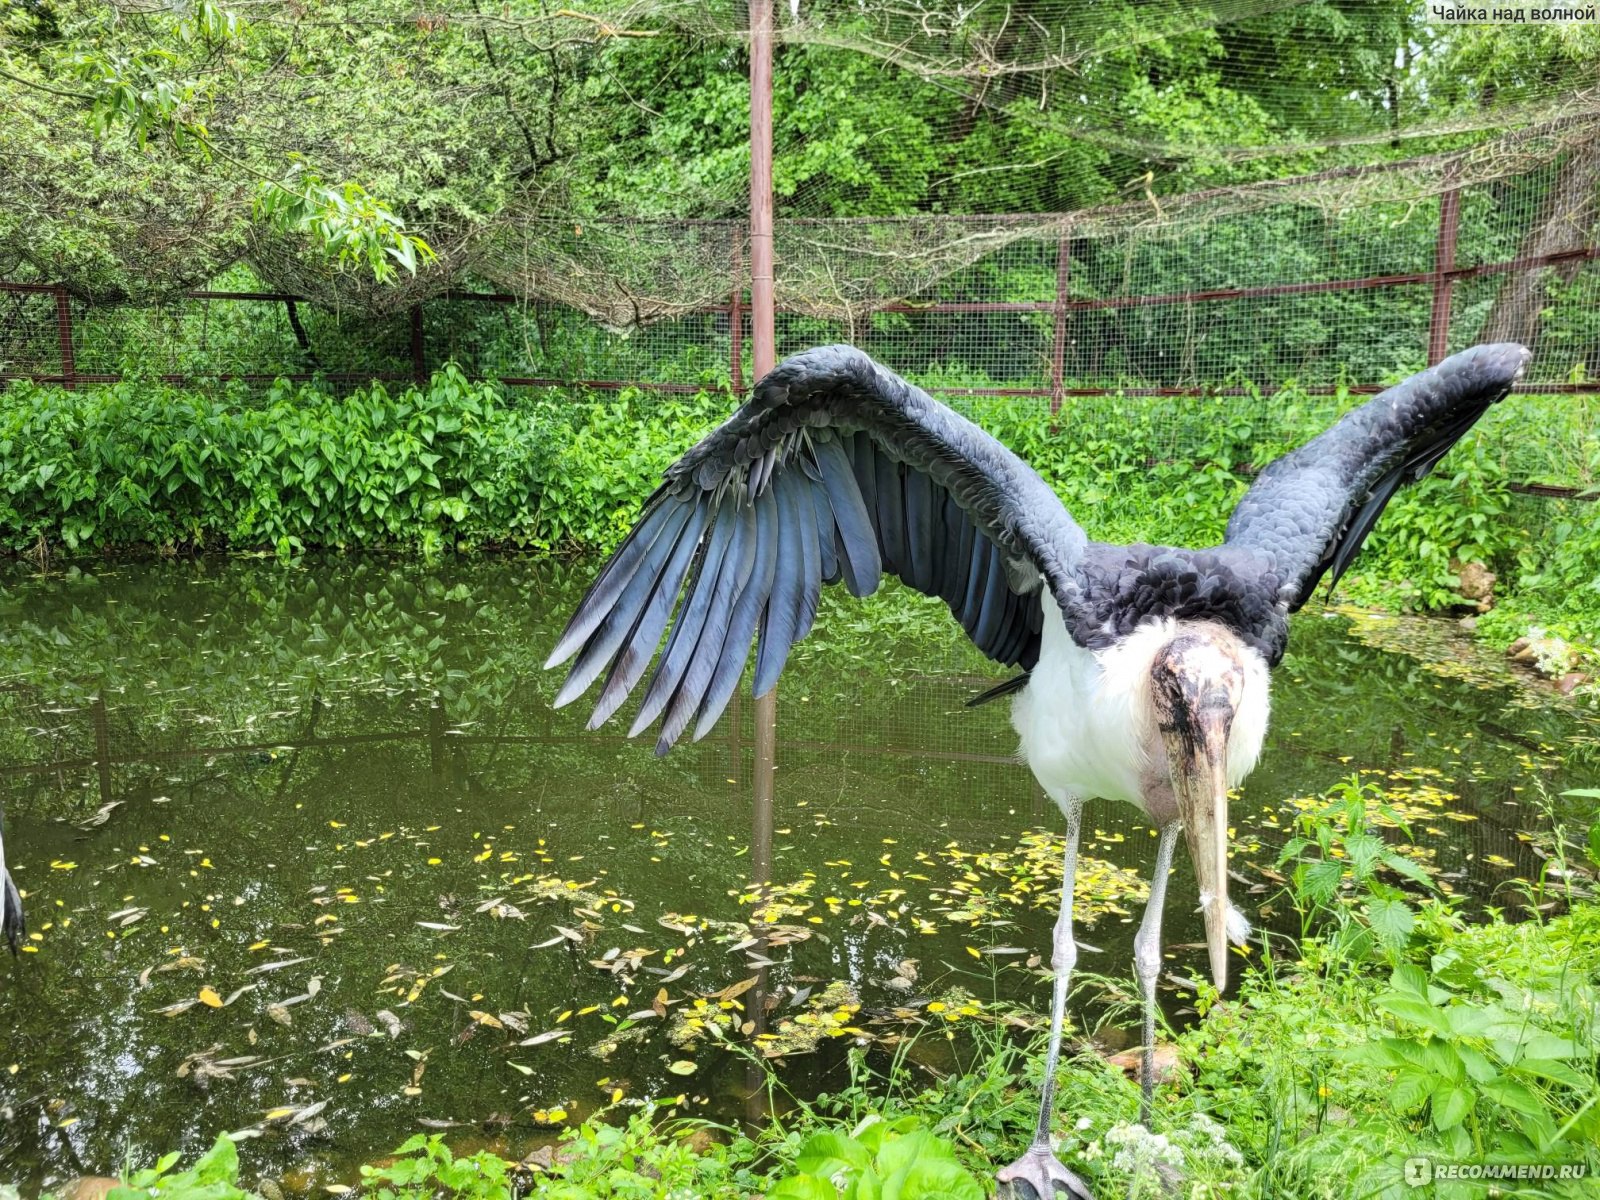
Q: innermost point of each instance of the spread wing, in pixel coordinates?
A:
(1309, 511)
(835, 469)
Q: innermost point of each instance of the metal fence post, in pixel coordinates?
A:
(1444, 262)
(1058, 353)
(736, 313)
(763, 337)
(419, 362)
(69, 366)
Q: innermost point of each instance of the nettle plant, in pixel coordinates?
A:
(1338, 882)
(1510, 1072)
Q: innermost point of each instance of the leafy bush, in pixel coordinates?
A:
(459, 464)
(425, 1167)
(142, 464)
(878, 1158)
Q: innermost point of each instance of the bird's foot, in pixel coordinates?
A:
(1040, 1175)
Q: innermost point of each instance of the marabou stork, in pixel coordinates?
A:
(1145, 668)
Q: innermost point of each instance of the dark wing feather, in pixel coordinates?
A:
(13, 925)
(1309, 512)
(835, 470)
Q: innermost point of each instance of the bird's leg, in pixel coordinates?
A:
(1038, 1167)
(1147, 963)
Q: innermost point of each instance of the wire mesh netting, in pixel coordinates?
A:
(1269, 312)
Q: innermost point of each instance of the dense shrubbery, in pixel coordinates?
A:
(457, 463)
(136, 464)
(464, 464)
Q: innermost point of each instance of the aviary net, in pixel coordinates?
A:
(1251, 208)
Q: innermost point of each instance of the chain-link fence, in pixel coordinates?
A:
(1268, 311)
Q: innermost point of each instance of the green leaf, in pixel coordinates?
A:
(803, 1187)
(1413, 871)
(1451, 1104)
(1513, 1095)
(900, 1153)
(933, 1179)
(1320, 880)
(220, 1164)
(1409, 979)
(1411, 1088)
(829, 1151)
(1413, 1011)
(1392, 921)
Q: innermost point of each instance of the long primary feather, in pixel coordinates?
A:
(691, 619)
(742, 623)
(629, 666)
(732, 576)
(597, 601)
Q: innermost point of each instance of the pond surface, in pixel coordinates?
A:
(307, 854)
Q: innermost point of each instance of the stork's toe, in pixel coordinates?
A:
(1039, 1175)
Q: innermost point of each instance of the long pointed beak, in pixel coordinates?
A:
(1196, 755)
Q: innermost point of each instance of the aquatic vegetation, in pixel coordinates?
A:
(1340, 864)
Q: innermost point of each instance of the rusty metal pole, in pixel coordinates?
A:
(1444, 262)
(1058, 351)
(763, 333)
(736, 315)
(419, 359)
(69, 369)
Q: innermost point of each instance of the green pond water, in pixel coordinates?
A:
(308, 855)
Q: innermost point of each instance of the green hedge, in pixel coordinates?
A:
(460, 464)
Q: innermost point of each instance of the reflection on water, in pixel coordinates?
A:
(308, 854)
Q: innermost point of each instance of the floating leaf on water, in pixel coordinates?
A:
(439, 925)
(519, 1067)
(100, 815)
(263, 968)
(735, 990)
(682, 1067)
(483, 1018)
(549, 1035)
